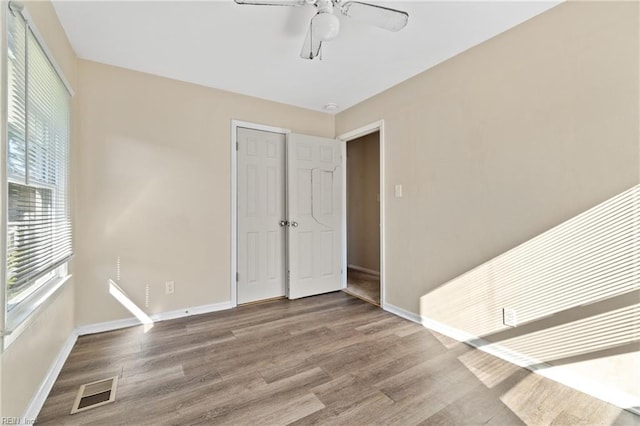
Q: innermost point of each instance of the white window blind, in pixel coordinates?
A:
(38, 219)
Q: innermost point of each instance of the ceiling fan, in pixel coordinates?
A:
(325, 25)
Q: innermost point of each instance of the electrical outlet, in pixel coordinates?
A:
(398, 191)
(169, 287)
(509, 317)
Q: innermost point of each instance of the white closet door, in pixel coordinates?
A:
(314, 189)
(261, 208)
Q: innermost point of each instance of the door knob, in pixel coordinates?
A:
(284, 223)
(294, 224)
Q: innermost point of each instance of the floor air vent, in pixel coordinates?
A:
(95, 394)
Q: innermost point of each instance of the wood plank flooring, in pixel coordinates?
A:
(364, 286)
(330, 359)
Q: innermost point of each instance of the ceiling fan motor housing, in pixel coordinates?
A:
(325, 26)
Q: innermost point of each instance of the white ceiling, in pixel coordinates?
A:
(254, 50)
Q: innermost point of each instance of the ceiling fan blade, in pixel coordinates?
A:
(272, 2)
(382, 17)
(312, 46)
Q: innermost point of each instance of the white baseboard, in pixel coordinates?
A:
(101, 327)
(608, 394)
(402, 313)
(162, 316)
(36, 403)
(365, 270)
(196, 310)
(496, 350)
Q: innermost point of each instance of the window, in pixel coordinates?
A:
(38, 225)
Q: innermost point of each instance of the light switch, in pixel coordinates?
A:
(398, 191)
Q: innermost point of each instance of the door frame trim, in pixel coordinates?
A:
(346, 137)
(235, 124)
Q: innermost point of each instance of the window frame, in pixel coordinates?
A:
(15, 321)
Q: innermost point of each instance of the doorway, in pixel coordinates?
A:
(363, 217)
(287, 214)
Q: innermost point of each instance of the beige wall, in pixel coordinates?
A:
(506, 140)
(501, 143)
(26, 362)
(363, 206)
(154, 179)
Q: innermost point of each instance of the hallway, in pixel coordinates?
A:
(363, 285)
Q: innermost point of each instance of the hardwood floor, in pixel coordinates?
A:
(364, 286)
(330, 359)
